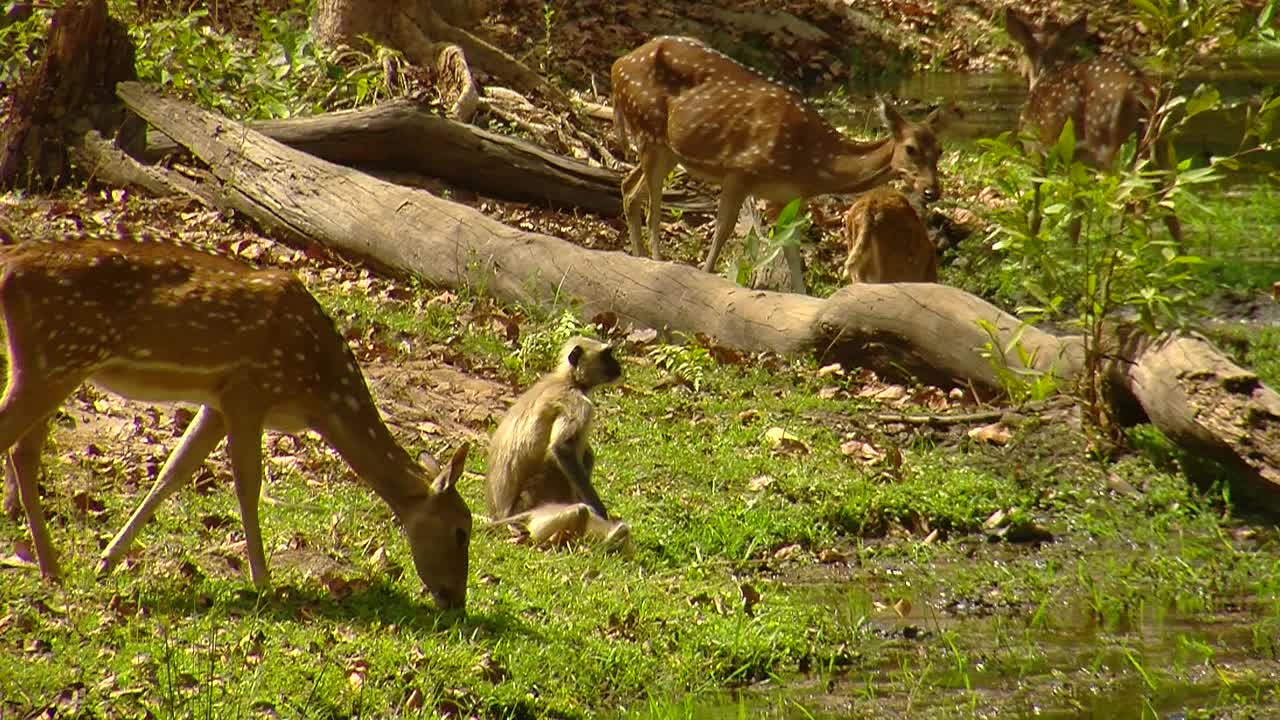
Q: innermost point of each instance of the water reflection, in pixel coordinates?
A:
(992, 102)
(1063, 663)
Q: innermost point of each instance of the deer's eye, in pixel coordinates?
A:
(912, 151)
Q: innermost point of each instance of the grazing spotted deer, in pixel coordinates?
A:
(160, 322)
(887, 240)
(682, 103)
(1106, 98)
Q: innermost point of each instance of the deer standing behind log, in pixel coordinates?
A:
(1106, 98)
(887, 240)
(160, 322)
(682, 103)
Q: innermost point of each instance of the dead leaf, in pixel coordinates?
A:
(890, 393)
(490, 669)
(995, 520)
(785, 441)
(640, 336)
(902, 607)
(832, 369)
(997, 433)
(725, 355)
(605, 321)
(759, 482)
(786, 551)
(928, 539)
(750, 598)
(355, 674)
(747, 416)
(862, 451)
(828, 392)
(831, 557)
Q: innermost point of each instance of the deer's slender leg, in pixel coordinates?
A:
(732, 194)
(201, 437)
(244, 445)
(24, 412)
(658, 162)
(632, 185)
(23, 466)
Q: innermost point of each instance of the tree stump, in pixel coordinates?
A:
(71, 90)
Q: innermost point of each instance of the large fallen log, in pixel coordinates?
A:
(401, 136)
(931, 331)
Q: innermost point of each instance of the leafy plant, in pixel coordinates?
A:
(21, 43)
(1021, 382)
(787, 232)
(284, 73)
(538, 350)
(1121, 270)
(689, 363)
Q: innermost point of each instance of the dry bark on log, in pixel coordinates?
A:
(931, 331)
(401, 136)
(1204, 402)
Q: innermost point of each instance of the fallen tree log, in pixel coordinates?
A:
(401, 136)
(931, 331)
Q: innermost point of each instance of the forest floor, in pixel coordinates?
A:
(801, 550)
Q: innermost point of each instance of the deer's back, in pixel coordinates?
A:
(719, 117)
(887, 240)
(1106, 99)
(162, 322)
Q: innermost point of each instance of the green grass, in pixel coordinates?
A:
(1148, 602)
(1235, 234)
(178, 632)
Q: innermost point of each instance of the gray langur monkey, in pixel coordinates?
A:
(540, 457)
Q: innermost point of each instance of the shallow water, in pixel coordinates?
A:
(992, 102)
(1063, 663)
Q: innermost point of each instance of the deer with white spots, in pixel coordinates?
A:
(682, 103)
(887, 240)
(161, 322)
(1105, 97)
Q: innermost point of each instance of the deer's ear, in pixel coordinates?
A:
(1020, 31)
(1073, 33)
(893, 122)
(941, 118)
(449, 475)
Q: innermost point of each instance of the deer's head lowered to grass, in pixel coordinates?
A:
(162, 322)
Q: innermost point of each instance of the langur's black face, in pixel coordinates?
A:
(593, 363)
(610, 370)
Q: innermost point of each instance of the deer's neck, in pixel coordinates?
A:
(860, 166)
(365, 443)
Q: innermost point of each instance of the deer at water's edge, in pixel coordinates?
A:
(1106, 98)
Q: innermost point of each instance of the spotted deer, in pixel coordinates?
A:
(887, 240)
(682, 103)
(161, 322)
(1105, 97)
